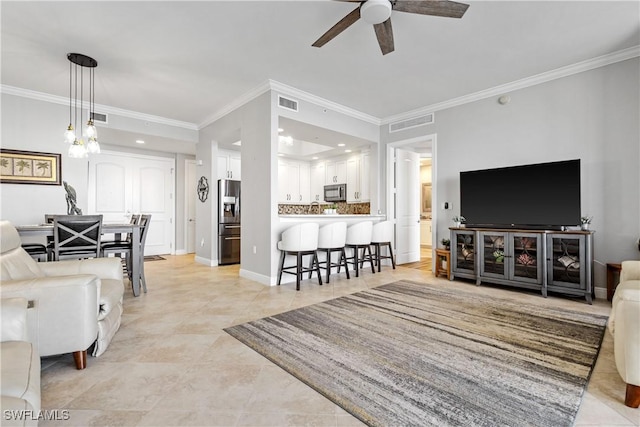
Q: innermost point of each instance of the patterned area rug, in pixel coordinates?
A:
(408, 353)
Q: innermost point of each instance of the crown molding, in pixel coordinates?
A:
(237, 103)
(99, 108)
(558, 73)
(289, 91)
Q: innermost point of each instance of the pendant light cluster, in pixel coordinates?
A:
(79, 148)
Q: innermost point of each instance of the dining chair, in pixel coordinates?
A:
(76, 236)
(121, 245)
(126, 247)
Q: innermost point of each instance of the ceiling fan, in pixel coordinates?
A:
(378, 13)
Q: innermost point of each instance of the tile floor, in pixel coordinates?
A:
(171, 364)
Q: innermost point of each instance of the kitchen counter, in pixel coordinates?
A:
(333, 217)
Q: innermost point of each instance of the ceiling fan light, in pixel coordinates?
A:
(375, 11)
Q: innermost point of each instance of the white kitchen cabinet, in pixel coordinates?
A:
(358, 178)
(293, 182)
(365, 177)
(335, 172)
(317, 181)
(229, 165)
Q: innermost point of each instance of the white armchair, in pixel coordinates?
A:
(75, 303)
(20, 368)
(624, 325)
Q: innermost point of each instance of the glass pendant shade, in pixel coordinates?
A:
(69, 135)
(91, 131)
(92, 146)
(78, 150)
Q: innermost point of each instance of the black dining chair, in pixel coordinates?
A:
(76, 236)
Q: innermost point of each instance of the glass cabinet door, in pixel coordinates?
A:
(493, 253)
(527, 256)
(464, 246)
(566, 260)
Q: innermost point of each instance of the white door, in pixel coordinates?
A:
(190, 184)
(407, 206)
(124, 184)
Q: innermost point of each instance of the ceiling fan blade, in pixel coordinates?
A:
(448, 9)
(342, 25)
(384, 33)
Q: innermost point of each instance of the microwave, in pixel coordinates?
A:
(335, 193)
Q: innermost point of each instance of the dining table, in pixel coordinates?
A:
(46, 230)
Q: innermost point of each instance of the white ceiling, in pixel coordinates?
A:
(189, 60)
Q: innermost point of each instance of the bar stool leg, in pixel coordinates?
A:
(368, 248)
(317, 264)
(328, 264)
(343, 257)
(355, 260)
(393, 263)
(298, 270)
(282, 256)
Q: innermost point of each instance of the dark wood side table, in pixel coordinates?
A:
(443, 255)
(612, 269)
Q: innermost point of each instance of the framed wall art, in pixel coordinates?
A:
(28, 167)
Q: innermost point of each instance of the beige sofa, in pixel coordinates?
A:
(624, 325)
(20, 367)
(76, 303)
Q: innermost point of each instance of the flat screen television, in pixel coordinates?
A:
(539, 196)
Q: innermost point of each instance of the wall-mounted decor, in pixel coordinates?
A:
(203, 189)
(28, 167)
(426, 197)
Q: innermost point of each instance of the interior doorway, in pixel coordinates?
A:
(423, 236)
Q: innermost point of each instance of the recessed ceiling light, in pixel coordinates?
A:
(238, 143)
(139, 141)
(340, 145)
(280, 130)
(315, 158)
(347, 151)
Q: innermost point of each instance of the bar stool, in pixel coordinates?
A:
(359, 238)
(382, 235)
(37, 251)
(299, 240)
(332, 238)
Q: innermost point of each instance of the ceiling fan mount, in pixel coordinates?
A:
(378, 13)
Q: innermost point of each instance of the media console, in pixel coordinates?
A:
(544, 260)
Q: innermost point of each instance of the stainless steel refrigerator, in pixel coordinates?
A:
(228, 222)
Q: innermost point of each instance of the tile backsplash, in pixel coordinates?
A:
(342, 207)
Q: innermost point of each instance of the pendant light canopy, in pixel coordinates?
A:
(79, 148)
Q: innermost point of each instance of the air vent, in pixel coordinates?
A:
(411, 123)
(287, 103)
(99, 117)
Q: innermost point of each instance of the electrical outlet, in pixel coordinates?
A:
(202, 242)
(255, 250)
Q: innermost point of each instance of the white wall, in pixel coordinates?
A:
(592, 116)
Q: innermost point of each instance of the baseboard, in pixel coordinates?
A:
(206, 261)
(181, 251)
(260, 278)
